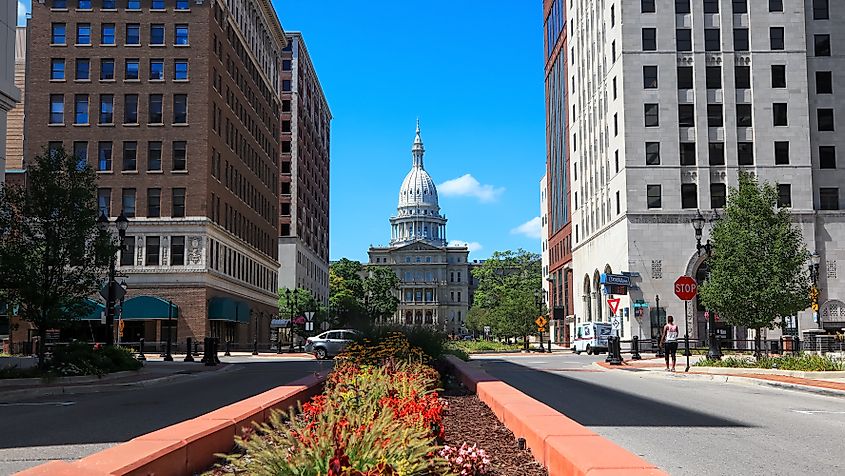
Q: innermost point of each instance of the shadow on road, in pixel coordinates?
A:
(597, 405)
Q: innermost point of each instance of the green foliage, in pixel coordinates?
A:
(473, 346)
(79, 359)
(430, 341)
(803, 363)
(380, 293)
(505, 299)
(52, 254)
(362, 295)
(757, 271)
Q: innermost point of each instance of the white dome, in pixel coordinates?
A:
(418, 191)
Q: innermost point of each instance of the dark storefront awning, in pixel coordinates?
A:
(142, 308)
(94, 310)
(228, 309)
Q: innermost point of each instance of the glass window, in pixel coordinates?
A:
(711, 6)
(58, 34)
(683, 39)
(57, 109)
(180, 155)
(83, 33)
(827, 157)
(775, 5)
(178, 203)
(714, 77)
(154, 156)
(130, 156)
(650, 77)
(152, 251)
(133, 4)
(181, 34)
(742, 77)
(109, 4)
(180, 108)
(829, 199)
(180, 69)
(156, 69)
(127, 254)
(57, 68)
(652, 153)
(824, 82)
(779, 114)
(712, 39)
(743, 115)
(286, 85)
(687, 153)
(104, 150)
(182, 4)
(106, 109)
(741, 39)
(177, 251)
(778, 76)
(745, 153)
(107, 34)
(59, 4)
(156, 112)
(714, 115)
(80, 151)
(686, 115)
(653, 196)
(106, 69)
(689, 195)
(682, 6)
(781, 153)
(80, 109)
(825, 118)
(133, 34)
(83, 4)
(157, 4)
(718, 195)
(131, 70)
(104, 201)
(153, 202)
(647, 6)
(822, 45)
(652, 115)
(287, 65)
(784, 195)
(83, 69)
(649, 39)
(740, 6)
(157, 34)
(776, 38)
(128, 202)
(684, 77)
(821, 10)
(130, 108)
(716, 153)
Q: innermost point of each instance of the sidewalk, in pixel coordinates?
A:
(654, 367)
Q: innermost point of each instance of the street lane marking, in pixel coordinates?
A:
(36, 404)
(815, 412)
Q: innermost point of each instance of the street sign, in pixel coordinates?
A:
(615, 279)
(325, 326)
(617, 323)
(541, 329)
(614, 305)
(117, 291)
(685, 288)
(541, 321)
(309, 326)
(309, 316)
(121, 326)
(486, 330)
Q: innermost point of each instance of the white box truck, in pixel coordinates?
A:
(591, 337)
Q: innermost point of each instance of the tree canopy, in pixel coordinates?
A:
(361, 295)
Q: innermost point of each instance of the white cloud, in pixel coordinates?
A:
(473, 246)
(533, 228)
(468, 186)
(21, 13)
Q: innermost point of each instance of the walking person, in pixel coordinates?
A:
(669, 339)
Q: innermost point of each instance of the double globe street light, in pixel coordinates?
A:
(698, 222)
(104, 225)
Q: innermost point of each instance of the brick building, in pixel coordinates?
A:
(304, 175)
(9, 94)
(176, 105)
(14, 119)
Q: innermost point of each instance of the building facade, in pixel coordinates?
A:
(669, 100)
(435, 278)
(304, 175)
(15, 117)
(558, 196)
(9, 93)
(176, 104)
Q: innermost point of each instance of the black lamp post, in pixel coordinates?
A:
(122, 223)
(168, 357)
(815, 259)
(291, 304)
(537, 300)
(713, 352)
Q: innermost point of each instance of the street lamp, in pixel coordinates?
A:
(537, 300)
(291, 305)
(815, 259)
(103, 224)
(698, 221)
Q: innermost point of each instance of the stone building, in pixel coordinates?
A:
(9, 93)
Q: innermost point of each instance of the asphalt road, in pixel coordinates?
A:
(688, 427)
(37, 430)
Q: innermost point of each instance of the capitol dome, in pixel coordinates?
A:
(418, 189)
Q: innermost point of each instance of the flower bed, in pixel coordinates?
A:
(380, 415)
(804, 362)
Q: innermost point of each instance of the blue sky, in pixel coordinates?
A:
(472, 70)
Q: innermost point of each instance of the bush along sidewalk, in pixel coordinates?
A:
(78, 359)
(380, 415)
(803, 363)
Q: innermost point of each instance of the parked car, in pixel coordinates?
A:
(329, 343)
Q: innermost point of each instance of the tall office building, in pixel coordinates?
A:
(668, 101)
(176, 104)
(9, 94)
(558, 215)
(304, 174)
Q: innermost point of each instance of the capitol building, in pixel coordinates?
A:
(436, 282)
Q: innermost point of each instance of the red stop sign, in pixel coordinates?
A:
(686, 288)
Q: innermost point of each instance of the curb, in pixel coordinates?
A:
(15, 395)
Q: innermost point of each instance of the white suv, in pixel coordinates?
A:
(329, 343)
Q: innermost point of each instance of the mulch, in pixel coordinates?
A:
(468, 420)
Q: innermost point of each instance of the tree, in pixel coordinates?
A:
(52, 254)
(757, 269)
(380, 293)
(507, 283)
(346, 291)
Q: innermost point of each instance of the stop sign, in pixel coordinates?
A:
(686, 288)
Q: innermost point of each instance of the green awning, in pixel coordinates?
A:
(94, 310)
(144, 308)
(228, 309)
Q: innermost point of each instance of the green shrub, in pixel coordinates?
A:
(82, 359)
(803, 363)
(472, 346)
(431, 341)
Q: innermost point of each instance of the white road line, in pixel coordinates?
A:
(37, 404)
(815, 412)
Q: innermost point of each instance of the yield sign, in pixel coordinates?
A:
(614, 305)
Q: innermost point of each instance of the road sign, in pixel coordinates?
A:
(309, 316)
(686, 288)
(614, 305)
(617, 323)
(309, 326)
(121, 326)
(615, 279)
(486, 330)
(117, 291)
(541, 329)
(541, 321)
(325, 326)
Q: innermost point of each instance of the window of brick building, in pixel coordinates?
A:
(133, 34)
(154, 156)
(107, 36)
(153, 202)
(128, 202)
(57, 69)
(83, 69)
(177, 251)
(106, 69)
(156, 114)
(106, 109)
(58, 34)
(153, 251)
(178, 203)
(80, 109)
(104, 156)
(180, 156)
(57, 109)
(157, 34)
(127, 254)
(180, 108)
(104, 201)
(83, 34)
(821, 45)
(130, 156)
(131, 70)
(824, 82)
(130, 108)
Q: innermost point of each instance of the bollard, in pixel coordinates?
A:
(227, 354)
(796, 346)
(196, 348)
(188, 356)
(635, 348)
(215, 346)
(609, 349)
(141, 355)
(206, 352)
(615, 351)
(255, 347)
